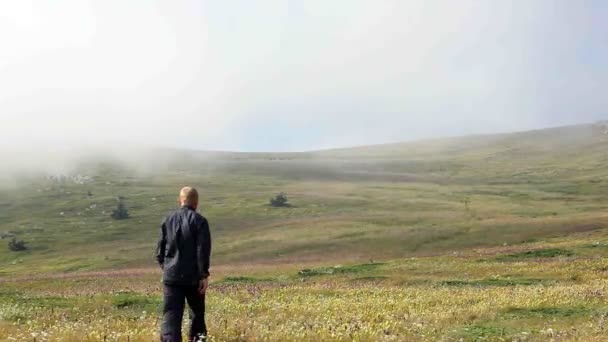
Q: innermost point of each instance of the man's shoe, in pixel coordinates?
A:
(199, 338)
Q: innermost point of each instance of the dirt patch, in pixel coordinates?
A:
(580, 228)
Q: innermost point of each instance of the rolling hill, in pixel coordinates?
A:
(348, 205)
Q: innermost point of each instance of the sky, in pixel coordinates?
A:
(295, 75)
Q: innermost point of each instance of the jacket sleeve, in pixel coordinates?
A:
(203, 249)
(160, 246)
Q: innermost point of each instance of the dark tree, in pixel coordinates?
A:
(279, 201)
(121, 212)
(16, 245)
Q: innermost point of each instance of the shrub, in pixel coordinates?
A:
(16, 245)
(280, 200)
(121, 212)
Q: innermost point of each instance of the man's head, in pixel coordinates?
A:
(188, 196)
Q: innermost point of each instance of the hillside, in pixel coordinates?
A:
(348, 205)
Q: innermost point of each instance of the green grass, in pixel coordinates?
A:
(482, 332)
(539, 253)
(548, 312)
(495, 282)
(243, 280)
(474, 238)
(128, 300)
(336, 270)
(413, 299)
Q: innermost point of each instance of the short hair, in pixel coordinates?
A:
(188, 195)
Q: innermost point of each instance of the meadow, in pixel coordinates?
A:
(486, 238)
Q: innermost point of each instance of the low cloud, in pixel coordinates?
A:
(278, 75)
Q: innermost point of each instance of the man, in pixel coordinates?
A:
(183, 253)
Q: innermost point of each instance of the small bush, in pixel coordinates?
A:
(121, 212)
(16, 245)
(279, 201)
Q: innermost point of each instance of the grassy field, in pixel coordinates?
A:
(495, 238)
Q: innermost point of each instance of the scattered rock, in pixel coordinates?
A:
(79, 179)
(4, 235)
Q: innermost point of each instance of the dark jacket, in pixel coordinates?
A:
(184, 247)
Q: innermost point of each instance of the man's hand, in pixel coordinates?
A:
(202, 285)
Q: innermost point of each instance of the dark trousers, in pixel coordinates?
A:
(173, 312)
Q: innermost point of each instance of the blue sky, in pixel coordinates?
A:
(296, 75)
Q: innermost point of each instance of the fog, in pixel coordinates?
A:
(292, 75)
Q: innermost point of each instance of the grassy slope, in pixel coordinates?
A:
(487, 238)
(356, 204)
(550, 290)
